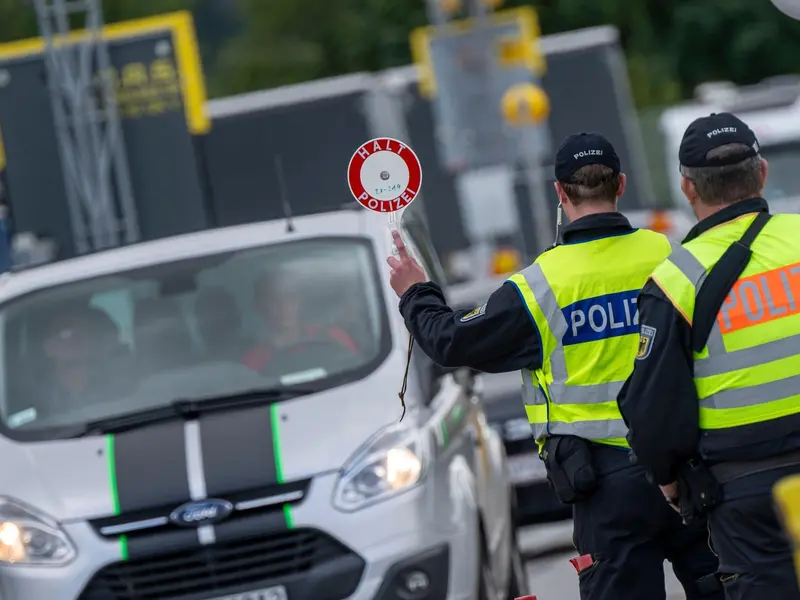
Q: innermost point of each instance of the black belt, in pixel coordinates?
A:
(729, 471)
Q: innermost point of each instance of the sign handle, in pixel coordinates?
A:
(391, 225)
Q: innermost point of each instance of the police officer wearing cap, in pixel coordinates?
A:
(713, 404)
(569, 323)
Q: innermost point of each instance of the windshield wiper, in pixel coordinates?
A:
(188, 409)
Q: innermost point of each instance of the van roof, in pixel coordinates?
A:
(185, 246)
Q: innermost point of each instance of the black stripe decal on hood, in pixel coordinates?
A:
(150, 465)
(238, 451)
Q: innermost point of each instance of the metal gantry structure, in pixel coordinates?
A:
(88, 127)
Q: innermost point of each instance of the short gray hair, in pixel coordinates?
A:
(730, 183)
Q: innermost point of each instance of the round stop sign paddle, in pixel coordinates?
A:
(384, 175)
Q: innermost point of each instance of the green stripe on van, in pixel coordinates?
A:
(275, 419)
(275, 424)
(112, 478)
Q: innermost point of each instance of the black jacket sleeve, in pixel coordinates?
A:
(495, 338)
(659, 402)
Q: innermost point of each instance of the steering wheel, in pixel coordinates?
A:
(317, 352)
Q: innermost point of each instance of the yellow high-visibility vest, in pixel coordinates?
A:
(583, 300)
(749, 371)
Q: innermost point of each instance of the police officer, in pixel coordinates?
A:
(569, 322)
(714, 399)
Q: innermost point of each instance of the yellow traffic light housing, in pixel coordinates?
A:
(525, 104)
(506, 260)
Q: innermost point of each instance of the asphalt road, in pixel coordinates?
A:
(551, 575)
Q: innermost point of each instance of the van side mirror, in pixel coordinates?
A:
(463, 375)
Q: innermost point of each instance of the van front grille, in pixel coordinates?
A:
(223, 568)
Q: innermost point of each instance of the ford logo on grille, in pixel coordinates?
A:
(204, 512)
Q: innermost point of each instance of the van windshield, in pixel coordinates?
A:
(308, 314)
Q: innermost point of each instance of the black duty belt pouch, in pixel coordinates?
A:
(568, 460)
(698, 491)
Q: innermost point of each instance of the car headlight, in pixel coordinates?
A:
(393, 461)
(28, 537)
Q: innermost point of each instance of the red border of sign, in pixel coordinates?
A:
(363, 197)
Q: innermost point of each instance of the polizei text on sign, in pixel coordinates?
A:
(384, 175)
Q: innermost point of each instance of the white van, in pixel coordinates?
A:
(215, 416)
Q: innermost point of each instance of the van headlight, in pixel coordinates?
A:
(392, 462)
(28, 537)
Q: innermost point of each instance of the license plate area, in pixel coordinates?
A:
(276, 592)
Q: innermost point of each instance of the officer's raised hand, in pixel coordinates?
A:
(405, 270)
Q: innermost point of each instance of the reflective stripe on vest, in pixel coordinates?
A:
(749, 371)
(601, 328)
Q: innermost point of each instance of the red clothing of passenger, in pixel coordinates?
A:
(260, 355)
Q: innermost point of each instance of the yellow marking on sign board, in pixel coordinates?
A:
(145, 89)
(187, 55)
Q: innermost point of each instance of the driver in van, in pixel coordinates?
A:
(277, 302)
(77, 344)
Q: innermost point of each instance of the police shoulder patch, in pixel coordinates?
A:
(474, 314)
(646, 336)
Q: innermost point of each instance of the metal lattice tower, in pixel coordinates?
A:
(88, 128)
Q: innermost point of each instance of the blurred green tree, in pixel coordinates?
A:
(671, 46)
(288, 42)
(738, 40)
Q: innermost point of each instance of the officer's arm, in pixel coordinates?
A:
(659, 402)
(496, 337)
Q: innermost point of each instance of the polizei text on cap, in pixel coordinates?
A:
(583, 153)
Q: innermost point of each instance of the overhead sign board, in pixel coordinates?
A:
(513, 47)
(467, 69)
(160, 92)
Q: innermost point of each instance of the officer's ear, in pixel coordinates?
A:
(689, 190)
(764, 172)
(562, 195)
(623, 181)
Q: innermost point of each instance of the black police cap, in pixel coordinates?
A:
(583, 149)
(707, 133)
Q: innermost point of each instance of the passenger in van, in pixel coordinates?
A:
(278, 305)
(80, 346)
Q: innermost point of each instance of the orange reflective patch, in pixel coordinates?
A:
(761, 298)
